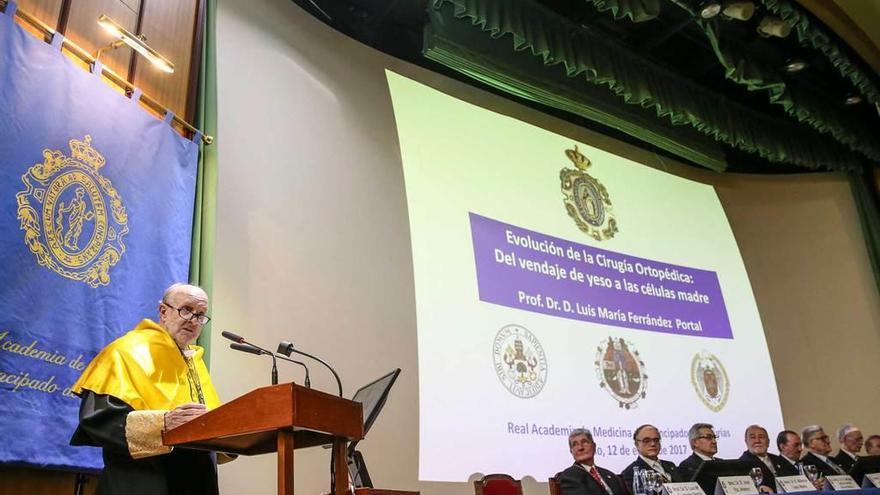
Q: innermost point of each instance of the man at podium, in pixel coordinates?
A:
(149, 380)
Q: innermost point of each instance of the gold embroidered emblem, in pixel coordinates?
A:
(710, 380)
(586, 199)
(73, 220)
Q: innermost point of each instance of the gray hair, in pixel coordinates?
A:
(756, 427)
(578, 432)
(809, 432)
(846, 430)
(694, 432)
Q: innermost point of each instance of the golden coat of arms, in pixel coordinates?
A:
(73, 220)
(621, 372)
(710, 381)
(586, 199)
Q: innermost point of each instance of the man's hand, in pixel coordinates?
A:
(183, 414)
(766, 489)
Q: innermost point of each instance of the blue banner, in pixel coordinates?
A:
(97, 221)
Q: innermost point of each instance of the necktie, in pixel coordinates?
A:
(595, 474)
(834, 466)
(656, 466)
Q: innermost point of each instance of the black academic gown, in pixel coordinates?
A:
(786, 468)
(844, 460)
(575, 480)
(627, 473)
(180, 472)
(687, 468)
(769, 478)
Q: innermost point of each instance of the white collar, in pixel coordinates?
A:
(849, 453)
(823, 458)
(704, 457)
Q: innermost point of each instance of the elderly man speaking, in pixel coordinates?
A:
(149, 380)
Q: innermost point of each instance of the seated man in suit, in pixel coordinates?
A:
(647, 440)
(872, 445)
(851, 440)
(818, 447)
(791, 448)
(584, 477)
(704, 443)
(757, 442)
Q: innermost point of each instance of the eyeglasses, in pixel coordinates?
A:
(648, 440)
(823, 438)
(708, 437)
(188, 315)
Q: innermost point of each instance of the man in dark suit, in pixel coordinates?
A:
(647, 440)
(872, 445)
(851, 441)
(757, 442)
(791, 448)
(704, 443)
(818, 447)
(584, 477)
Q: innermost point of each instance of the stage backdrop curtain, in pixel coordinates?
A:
(525, 27)
(827, 116)
(205, 219)
(97, 223)
(866, 203)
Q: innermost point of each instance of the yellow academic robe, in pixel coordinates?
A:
(145, 369)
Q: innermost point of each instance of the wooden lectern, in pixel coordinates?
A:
(277, 419)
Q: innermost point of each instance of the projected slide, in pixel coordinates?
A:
(560, 286)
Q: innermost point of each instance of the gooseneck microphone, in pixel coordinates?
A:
(307, 382)
(243, 345)
(287, 348)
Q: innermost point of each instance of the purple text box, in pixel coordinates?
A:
(524, 269)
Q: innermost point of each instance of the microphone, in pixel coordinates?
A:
(254, 350)
(245, 348)
(287, 348)
(231, 336)
(241, 344)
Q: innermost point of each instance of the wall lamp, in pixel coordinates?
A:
(136, 43)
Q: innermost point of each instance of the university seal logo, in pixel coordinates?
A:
(621, 372)
(586, 199)
(73, 220)
(710, 380)
(519, 361)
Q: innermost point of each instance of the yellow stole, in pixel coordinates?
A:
(145, 369)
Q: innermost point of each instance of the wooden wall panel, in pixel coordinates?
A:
(20, 481)
(169, 28)
(83, 29)
(47, 11)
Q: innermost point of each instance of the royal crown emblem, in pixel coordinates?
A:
(586, 199)
(621, 372)
(519, 361)
(710, 381)
(73, 220)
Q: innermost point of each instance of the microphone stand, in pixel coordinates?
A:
(306, 382)
(248, 347)
(287, 348)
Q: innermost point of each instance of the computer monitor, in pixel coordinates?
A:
(372, 397)
(709, 472)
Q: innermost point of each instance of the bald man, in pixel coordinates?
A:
(150, 380)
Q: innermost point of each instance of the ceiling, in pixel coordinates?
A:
(673, 40)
